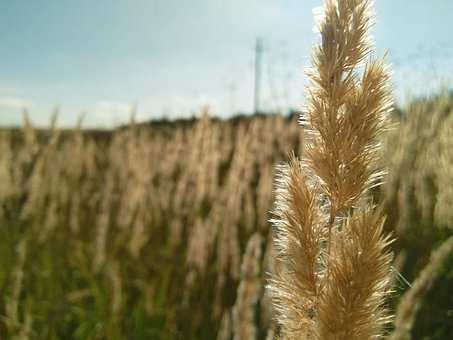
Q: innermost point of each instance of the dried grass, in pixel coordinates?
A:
(334, 264)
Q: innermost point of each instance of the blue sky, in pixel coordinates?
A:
(170, 57)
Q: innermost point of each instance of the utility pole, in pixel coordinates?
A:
(258, 56)
(232, 87)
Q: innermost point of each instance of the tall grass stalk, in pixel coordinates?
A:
(333, 270)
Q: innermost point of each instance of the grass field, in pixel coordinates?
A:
(161, 232)
(334, 223)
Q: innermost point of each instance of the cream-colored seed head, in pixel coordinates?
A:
(333, 266)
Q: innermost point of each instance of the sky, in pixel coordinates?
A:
(168, 58)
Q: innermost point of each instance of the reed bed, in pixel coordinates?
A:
(161, 231)
(139, 233)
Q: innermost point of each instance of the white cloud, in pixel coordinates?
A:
(180, 106)
(109, 113)
(15, 103)
(113, 107)
(6, 91)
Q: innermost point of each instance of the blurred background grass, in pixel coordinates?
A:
(160, 230)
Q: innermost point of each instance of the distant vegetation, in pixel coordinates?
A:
(162, 233)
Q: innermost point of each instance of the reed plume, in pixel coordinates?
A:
(333, 270)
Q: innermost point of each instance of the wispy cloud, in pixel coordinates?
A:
(113, 107)
(15, 103)
(183, 106)
(109, 113)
